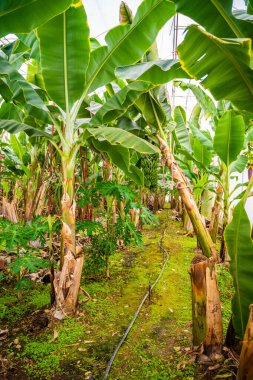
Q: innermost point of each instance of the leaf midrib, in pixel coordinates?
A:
(65, 62)
(228, 19)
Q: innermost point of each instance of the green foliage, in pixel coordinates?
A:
(20, 234)
(61, 72)
(240, 249)
(29, 262)
(22, 17)
(94, 194)
(229, 137)
(222, 66)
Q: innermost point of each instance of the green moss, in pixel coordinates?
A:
(13, 309)
(40, 297)
(44, 362)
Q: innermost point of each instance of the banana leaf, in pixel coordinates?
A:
(64, 59)
(23, 16)
(229, 137)
(222, 66)
(216, 16)
(240, 249)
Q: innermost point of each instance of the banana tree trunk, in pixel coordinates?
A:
(198, 282)
(206, 243)
(206, 306)
(246, 358)
(67, 281)
(213, 339)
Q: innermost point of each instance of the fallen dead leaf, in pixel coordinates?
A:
(56, 334)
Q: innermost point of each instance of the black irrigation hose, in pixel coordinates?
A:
(166, 259)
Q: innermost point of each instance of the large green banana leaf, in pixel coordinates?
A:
(222, 66)
(119, 103)
(126, 44)
(157, 73)
(216, 16)
(116, 136)
(229, 137)
(240, 249)
(22, 16)
(65, 50)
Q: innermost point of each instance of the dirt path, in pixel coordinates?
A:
(156, 347)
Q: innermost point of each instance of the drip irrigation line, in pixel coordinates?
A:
(166, 259)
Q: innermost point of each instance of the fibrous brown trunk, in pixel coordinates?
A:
(206, 243)
(198, 282)
(214, 336)
(206, 306)
(245, 371)
(67, 281)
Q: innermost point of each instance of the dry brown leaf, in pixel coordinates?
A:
(56, 334)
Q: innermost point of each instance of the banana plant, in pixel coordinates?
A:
(71, 71)
(24, 162)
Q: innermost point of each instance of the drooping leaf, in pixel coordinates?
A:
(204, 13)
(239, 165)
(119, 103)
(151, 110)
(126, 44)
(23, 16)
(222, 66)
(157, 73)
(12, 126)
(205, 101)
(64, 59)
(240, 249)
(229, 137)
(120, 156)
(116, 136)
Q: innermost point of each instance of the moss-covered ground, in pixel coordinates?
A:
(76, 348)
